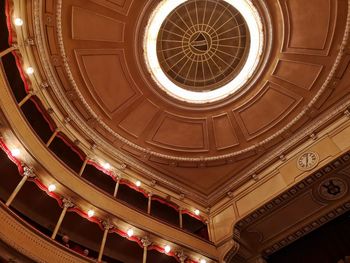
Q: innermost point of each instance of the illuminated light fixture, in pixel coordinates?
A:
(130, 232)
(52, 187)
(197, 212)
(15, 152)
(202, 261)
(107, 166)
(18, 21)
(138, 183)
(164, 8)
(167, 249)
(91, 213)
(30, 71)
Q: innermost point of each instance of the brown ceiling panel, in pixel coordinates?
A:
(307, 73)
(266, 110)
(120, 6)
(300, 38)
(110, 84)
(225, 135)
(181, 134)
(86, 25)
(133, 124)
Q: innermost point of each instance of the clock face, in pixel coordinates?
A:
(307, 161)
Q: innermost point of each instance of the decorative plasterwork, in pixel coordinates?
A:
(328, 84)
(293, 191)
(336, 189)
(333, 188)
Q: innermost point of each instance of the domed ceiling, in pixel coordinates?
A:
(96, 57)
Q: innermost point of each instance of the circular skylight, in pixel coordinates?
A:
(201, 51)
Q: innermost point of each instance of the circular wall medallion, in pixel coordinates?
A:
(333, 188)
(203, 44)
(202, 51)
(307, 161)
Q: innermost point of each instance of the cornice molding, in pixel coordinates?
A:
(334, 207)
(322, 220)
(292, 192)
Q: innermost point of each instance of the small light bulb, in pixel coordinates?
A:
(203, 261)
(15, 152)
(91, 213)
(197, 212)
(52, 187)
(130, 232)
(138, 183)
(107, 166)
(30, 70)
(18, 21)
(167, 249)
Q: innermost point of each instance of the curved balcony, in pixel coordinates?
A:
(114, 196)
(75, 158)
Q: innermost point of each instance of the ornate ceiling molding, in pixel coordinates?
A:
(329, 83)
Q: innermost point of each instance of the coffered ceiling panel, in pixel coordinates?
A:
(109, 85)
(302, 16)
(133, 124)
(307, 73)
(267, 109)
(225, 135)
(121, 6)
(182, 134)
(87, 25)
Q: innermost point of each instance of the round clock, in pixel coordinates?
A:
(307, 161)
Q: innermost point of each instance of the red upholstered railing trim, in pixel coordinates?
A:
(71, 145)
